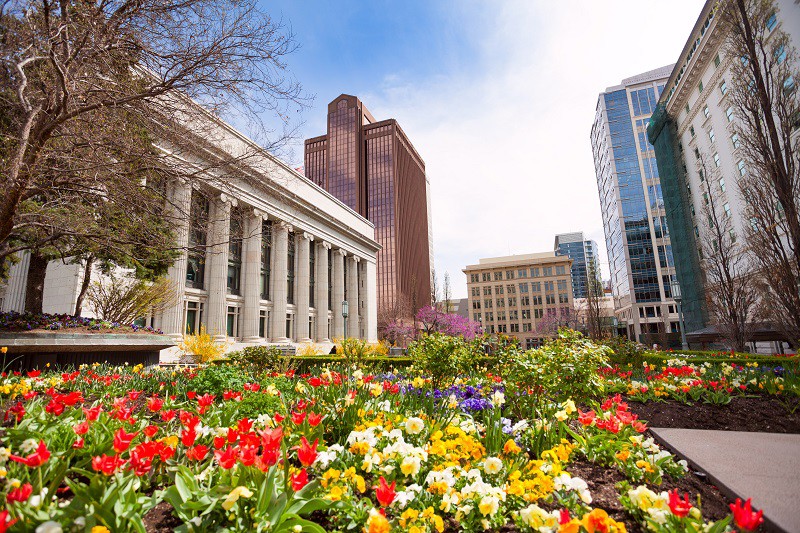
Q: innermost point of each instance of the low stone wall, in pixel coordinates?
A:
(27, 351)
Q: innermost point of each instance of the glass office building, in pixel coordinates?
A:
(373, 168)
(634, 221)
(583, 253)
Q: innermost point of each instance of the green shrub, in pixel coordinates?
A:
(216, 379)
(624, 351)
(252, 405)
(442, 357)
(539, 380)
(261, 359)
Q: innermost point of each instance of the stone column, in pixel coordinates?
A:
(179, 208)
(370, 301)
(321, 286)
(251, 276)
(217, 261)
(352, 296)
(303, 286)
(338, 293)
(279, 279)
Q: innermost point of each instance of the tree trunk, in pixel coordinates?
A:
(87, 277)
(34, 289)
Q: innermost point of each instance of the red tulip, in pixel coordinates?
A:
(315, 382)
(314, 419)
(563, 517)
(150, 431)
(79, 443)
(166, 416)
(197, 453)
(81, 429)
(744, 516)
(34, 373)
(586, 418)
(107, 464)
(307, 453)
(299, 480)
(93, 413)
(679, 508)
(122, 440)
(226, 458)
(297, 418)
(5, 523)
(36, 459)
(279, 418)
(188, 436)
(205, 400)
(247, 455)
(21, 494)
(154, 403)
(385, 492)
(191, 395)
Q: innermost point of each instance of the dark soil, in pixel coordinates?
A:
(752, 413)
(602, 485)
(160, 519)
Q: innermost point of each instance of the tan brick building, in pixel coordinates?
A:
(524, 296)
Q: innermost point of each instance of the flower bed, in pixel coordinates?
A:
(234, 448)
(24, 322)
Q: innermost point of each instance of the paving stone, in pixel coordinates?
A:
(761, 466)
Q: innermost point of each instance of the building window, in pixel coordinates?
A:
(550, 299)
(740, 166)
(727, 208)
(498, 289)
(509, 274)
(700, 86)
(716, 61)
(263, 323)
(536, 286)
(560, 270)
(194, 317)
(198, 232)
(522, 273)
(717, 162)
(735, 141)
(691, 130)
(772, 21)
(266, 254)
(511, 289)
(549, 286)
(537, 300)
(487, 291)
(723, 88)
(474, 278)
(524, 300)
(562, 285)
(526, 314)
(706, 112)
(486, 276)
(563, 298)
(498, 276)
(697, 153)
(512, 302)
(523, 287)
(687, 109)
(722, 184)
(547, 271)
(232, 323)
(514, 328)
(711, 135)
(538, 313)
(729, 113)
(526, 326)
(235, 252)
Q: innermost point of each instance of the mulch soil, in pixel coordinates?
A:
(753, 413)
(160, 519)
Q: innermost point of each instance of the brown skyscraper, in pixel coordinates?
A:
(372, 167)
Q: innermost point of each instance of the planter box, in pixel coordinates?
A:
(27, 351)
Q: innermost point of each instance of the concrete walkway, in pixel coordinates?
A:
(761, 466)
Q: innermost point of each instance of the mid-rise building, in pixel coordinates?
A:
(694, 128)
(374, 169)
(270, 259)
(523, 296)
(583, 253)
(637, 235)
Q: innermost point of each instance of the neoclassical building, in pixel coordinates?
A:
(268, 257)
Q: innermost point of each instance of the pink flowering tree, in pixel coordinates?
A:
(434, 320)
(397, 332)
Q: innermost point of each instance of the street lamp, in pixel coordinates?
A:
(676, 295)
(345, 312)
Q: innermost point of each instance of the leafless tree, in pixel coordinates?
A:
(764, 95)
(124, 298)
(435, 291)
(95, 105)
(731, 292)
(447, 295)
(594, 299)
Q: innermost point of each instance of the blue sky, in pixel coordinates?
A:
(497, 96)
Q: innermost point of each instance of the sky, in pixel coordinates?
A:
(497, 96)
